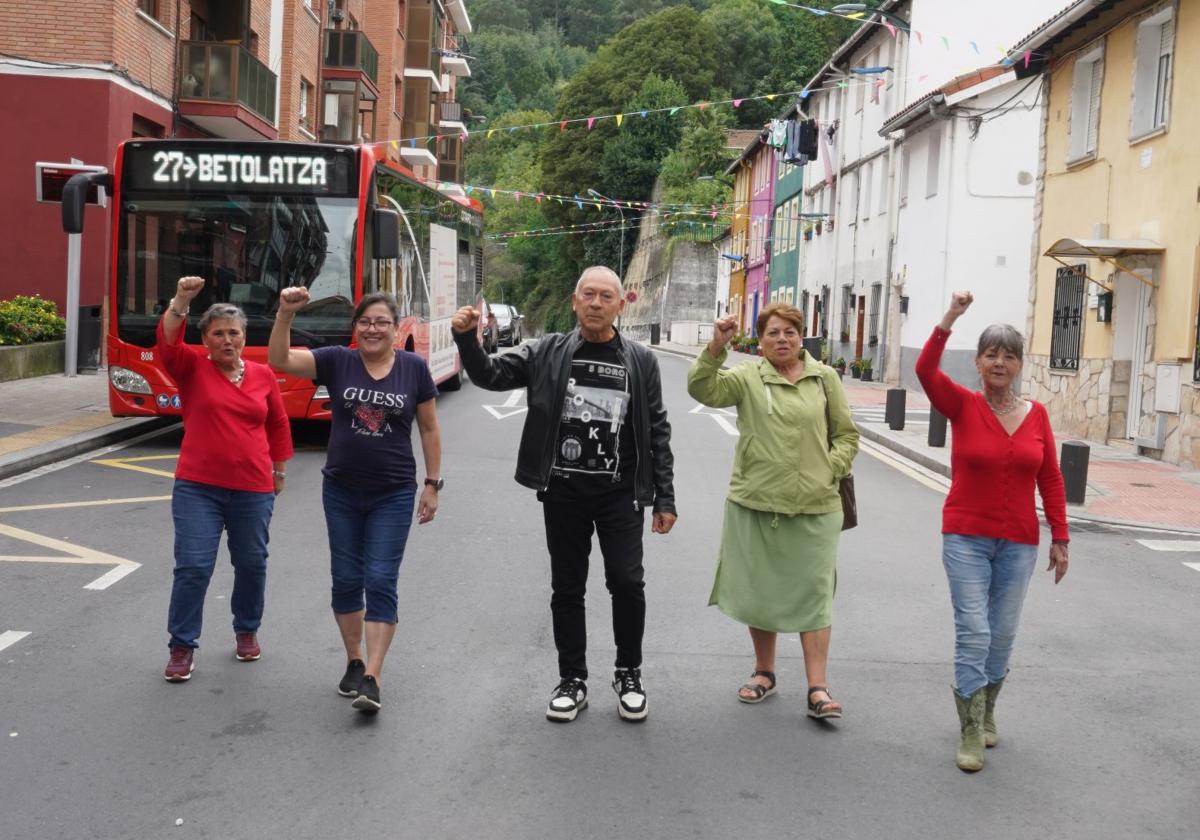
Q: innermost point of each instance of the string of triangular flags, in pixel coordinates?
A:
(865, 15)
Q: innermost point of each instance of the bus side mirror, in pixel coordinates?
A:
(385, 233)
(75, 196)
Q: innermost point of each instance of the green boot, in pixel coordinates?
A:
(970, 718)
(990, 736)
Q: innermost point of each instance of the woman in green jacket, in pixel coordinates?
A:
(777, 565)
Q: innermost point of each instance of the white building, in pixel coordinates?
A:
(852, 262)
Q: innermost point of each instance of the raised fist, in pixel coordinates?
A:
(465, 319)
(188, 288)
(960, 302)
(293, 299)
(723, 330)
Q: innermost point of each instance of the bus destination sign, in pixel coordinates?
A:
(275, 170)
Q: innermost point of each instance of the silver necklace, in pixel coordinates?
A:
(1007, 408)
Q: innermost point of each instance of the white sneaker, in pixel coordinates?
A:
(568, 700)
(627, 682)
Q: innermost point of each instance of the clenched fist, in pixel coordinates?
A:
(723, 331)
(465, 319)
(960, 302)
(187, 288)
(293, 299)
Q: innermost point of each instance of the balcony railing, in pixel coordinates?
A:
(451, 112)
(350, 49)
(220, 72)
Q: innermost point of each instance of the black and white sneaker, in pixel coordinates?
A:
(348, 687)
(627, 682)
(368, 696)
(568, 700)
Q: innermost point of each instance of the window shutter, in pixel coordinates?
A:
(1093, 119)
(1166, 37)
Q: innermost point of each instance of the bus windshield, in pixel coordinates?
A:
(247, 247)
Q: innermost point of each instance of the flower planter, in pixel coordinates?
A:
(856, 373)
(866, 375)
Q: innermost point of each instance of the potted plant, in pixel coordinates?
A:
(840, 366)
(856, 368)
(866, 370)
(845, 336)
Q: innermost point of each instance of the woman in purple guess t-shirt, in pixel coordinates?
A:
(370, 472)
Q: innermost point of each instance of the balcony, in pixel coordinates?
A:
(350, 55)
(226, 91)
(450, 115)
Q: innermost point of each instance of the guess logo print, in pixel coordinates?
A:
(370, 417)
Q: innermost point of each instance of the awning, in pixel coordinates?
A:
(1106, 250)
(1102, 248)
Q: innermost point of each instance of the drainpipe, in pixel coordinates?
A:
(838, 224)
(175, 74)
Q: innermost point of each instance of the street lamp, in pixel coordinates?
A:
(851, 8)
(621, 256)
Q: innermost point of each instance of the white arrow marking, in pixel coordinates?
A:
(1171, 545)
(1195, 566)
(720, 415)
(189, 167)
(75, 554)
(10, 637)
(510, 407)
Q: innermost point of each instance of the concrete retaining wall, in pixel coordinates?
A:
(26, 360)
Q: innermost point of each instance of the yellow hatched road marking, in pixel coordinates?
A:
(135, 464)
(94, 503)
(75, 554)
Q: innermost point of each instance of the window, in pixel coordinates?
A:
(777, 238)
(852, 196)
(1152, 74)
(885, 191)
(150, 7)
(868, 171)
(795, 213)
(905, 164)
(305, 106)
(873, 316)
(1085, 105)
(933, 162)
(1196, 361)
(847, 309)
(1067, 325)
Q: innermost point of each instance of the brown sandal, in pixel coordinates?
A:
(759, 692)
(823, 709)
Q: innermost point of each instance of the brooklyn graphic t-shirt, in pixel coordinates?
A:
(370, 440)
(595, 451)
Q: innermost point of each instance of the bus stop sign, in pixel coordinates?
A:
(52, 177)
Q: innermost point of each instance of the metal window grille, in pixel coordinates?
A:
(847, 304)
(1067, 332)
(1196, 358)
(825, 311)
(873, 316)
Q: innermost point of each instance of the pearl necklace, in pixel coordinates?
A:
(1007, 408)
(241, 372)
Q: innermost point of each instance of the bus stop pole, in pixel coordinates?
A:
(72, 346)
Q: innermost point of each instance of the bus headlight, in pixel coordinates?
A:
(126, 380)
(322, 393)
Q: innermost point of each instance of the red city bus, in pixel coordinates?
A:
(253, 217)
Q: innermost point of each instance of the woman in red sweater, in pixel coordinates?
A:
(1002, 447)
(236, 442)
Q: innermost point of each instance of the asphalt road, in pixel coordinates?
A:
(1098, 738)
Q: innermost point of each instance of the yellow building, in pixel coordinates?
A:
(1113, 314)
(739, 233)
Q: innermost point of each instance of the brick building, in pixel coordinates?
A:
(77, 77)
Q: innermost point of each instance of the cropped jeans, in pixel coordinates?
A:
(988, 581)
(201, 512)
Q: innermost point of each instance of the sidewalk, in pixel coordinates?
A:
(1123, 488)
(49, 418)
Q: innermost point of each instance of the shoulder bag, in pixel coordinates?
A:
(845, 485)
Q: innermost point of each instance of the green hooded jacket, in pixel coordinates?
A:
(783, 462)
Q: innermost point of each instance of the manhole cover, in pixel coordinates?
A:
(1139, 484)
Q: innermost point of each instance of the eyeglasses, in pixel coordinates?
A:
(378, 323)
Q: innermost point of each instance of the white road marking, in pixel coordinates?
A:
(10, 637)
(1171, 545)
(135, 465)
(74, 554)
(1195, 566)
(97, 502)
(720, 415)
(510, 408)
(87, 456)
(932, 480)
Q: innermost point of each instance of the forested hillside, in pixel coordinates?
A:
(543, 61)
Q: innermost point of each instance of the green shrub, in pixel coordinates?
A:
(27, 320)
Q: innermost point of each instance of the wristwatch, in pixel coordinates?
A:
(436, 483)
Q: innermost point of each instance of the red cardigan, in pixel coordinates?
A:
(231, 435)
(993, 474)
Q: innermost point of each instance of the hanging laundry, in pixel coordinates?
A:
(778, 134)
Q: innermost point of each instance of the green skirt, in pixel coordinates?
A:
(775, 571)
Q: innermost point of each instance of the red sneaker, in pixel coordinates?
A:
(247, 647)
(180, 668)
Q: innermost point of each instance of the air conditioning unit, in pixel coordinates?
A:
(337, 15)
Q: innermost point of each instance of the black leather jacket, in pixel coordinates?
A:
(542, 367)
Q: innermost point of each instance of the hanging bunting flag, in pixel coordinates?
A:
(644, 113)
(922, 77)
(491, 193)
(890, 29)
(804, 93)
(591, 122)
(703, 105)
(511, 130)
(674, 111)
(469, 189)
(920, 37)
(578, 203)
(412, 143)
(562, 126)
(737, 103)
(538, 198)
(491, 131)
(598, 205)
(770, 97)
(619, 118)
(843, 84)
(946, 41)
(464, 136)
(1027, 55)
(395, 145)
(975, 47)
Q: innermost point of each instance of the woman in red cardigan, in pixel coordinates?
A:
(1002, 447)
(236, 442)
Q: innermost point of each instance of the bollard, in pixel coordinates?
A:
(655, 333)
(937, 427)
(1074, 465)
(894, 413)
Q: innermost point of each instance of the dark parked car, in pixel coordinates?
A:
(489, 327)
(508, 324)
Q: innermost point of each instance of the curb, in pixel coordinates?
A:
(49, 453)
(927, 461)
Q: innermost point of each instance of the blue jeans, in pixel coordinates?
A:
(367, 533)
(988, 580)
(201, 512)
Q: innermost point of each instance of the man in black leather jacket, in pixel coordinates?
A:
(596, 448)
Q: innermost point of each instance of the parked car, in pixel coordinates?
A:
(508, 324)
(489, 327)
